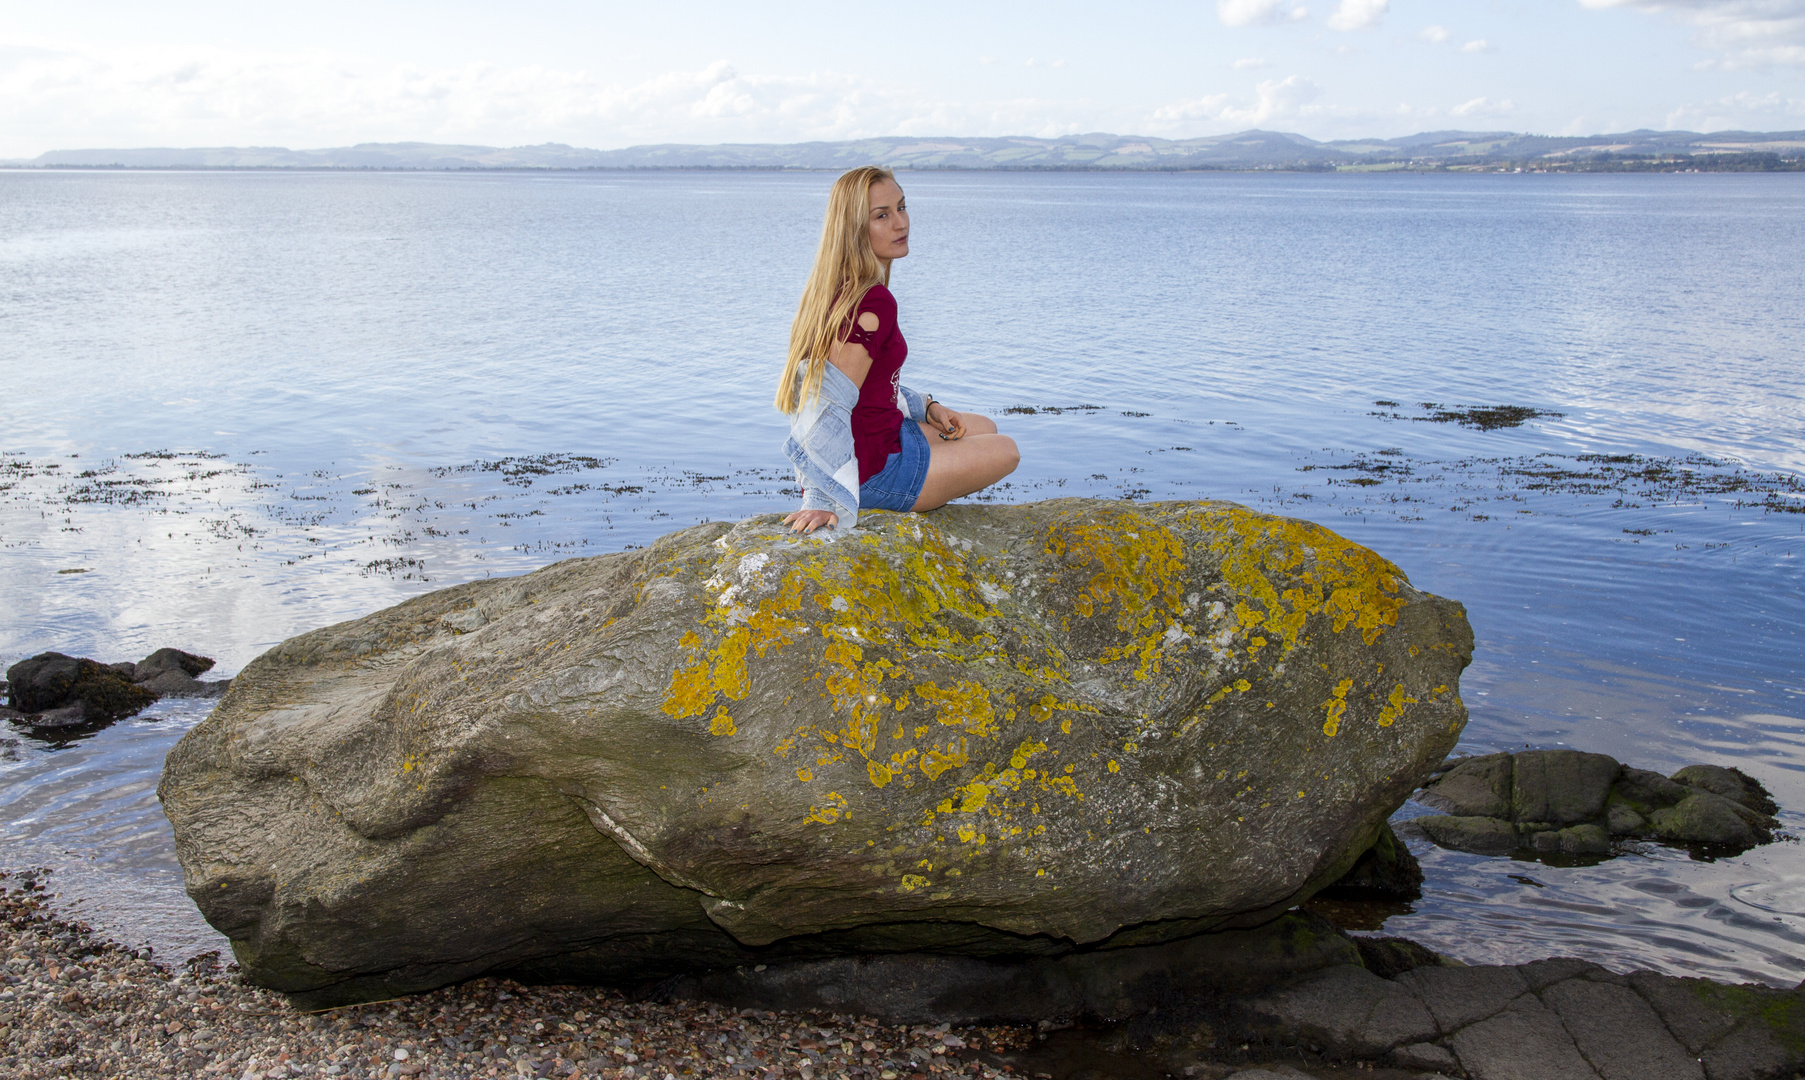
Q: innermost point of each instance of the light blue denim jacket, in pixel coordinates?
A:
(820, 444)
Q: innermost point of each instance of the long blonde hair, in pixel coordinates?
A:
(845, 270)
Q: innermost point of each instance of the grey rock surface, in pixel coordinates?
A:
(1348, 1012)
(1476, 787)
(998, 730)
(1565, 1018)
(1523, 1042)
(1429, 1057)
(1561, 787)
(1598, 1015)
(1556, 1018)
(1459, 997)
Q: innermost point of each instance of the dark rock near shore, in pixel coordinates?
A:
(1572, 804)
(992, 731)
(51, 690)
(52, 681)
(1387, 871)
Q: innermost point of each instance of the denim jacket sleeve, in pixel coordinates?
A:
(912, 402)
(820, 449)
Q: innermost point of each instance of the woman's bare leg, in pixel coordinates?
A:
(961, 466)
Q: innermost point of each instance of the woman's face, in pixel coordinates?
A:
(889, 221)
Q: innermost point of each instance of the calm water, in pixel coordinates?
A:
(246, 405)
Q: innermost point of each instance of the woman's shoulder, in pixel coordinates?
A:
(879, 300)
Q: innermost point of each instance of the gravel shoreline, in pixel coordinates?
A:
(75, 1004)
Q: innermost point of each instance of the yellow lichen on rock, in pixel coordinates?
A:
(1320, 571)
(1335, 706)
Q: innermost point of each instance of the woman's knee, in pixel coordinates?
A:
(979, 424)
(1008, 455)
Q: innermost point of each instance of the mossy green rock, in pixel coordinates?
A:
(987, 730)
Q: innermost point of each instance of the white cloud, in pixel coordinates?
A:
(1358, 14)
(1743, 33)
(1480, 45)
(1746, 111)
(1435, 34)
(1480, 106)
(60, 96)
(1249, 63)
(1257, 12)
(1275, 99)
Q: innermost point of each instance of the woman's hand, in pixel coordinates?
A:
(950, 423)
(807, 521)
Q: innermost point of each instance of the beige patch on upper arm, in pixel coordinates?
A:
(868, 322)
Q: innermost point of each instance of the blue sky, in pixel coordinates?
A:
(603, 74)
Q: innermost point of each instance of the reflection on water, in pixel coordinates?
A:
(87, 807)
(261, 403)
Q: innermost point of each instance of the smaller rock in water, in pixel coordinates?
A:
(171, 660)
(1564, 803)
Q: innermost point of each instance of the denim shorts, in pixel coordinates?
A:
(898, 485)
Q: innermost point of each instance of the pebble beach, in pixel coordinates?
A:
(75, 1004)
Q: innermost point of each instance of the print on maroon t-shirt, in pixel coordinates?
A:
(876, 421)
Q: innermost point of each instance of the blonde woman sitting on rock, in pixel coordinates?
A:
(858, 437)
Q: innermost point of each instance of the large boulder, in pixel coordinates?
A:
(991, 731)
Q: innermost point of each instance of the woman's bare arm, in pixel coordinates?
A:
(853, 360)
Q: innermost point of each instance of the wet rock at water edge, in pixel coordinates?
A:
(987, 731)
(52, 682)
(1564, 803)
(1387, 871)
(52, 690)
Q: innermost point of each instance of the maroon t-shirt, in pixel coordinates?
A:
(876, 421)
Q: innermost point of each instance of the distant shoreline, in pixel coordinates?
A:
(1709, 165)
(1246, 151)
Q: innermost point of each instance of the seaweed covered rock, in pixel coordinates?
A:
(51, 690)
(1568, 803)
(73, 689)
(988, 731)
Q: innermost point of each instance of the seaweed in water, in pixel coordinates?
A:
(520, 471)
(1480, 417)
(1049, 410)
